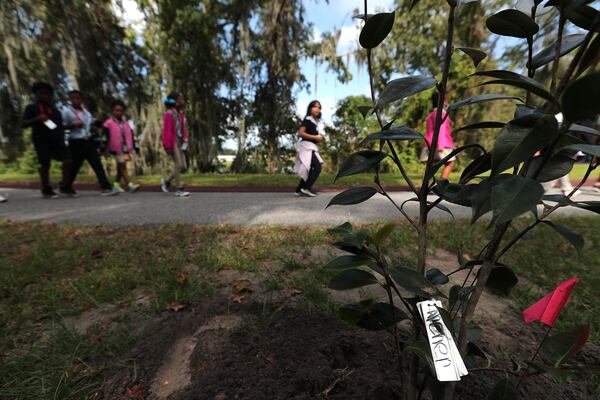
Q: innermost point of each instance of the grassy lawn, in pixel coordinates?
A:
(51, 273)
(326, 178)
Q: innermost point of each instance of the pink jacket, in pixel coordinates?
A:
(169, 133)
(445, 139)
(114, 136)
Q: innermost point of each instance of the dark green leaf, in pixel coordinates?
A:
(357, 238)
(364, 17)
(413, 282)
(360, 161)
(591, 149)
(481, 125)
(569, 43)
(520, 139)
(502, 279)
(478, 166)
(447, 318)
(555, 168)
(352, 279)
(401, 88)
(562, 346)
(580, 99)
(423, 351)
(394, 133)
(512, 23)
(474, 350)
(576, 239)
(352, 313)
(514, 196)
(584, 16)
(447, 158)
(479, 99)
(586, 130)
(518, 80)
(590, 54)
(342, 262)
(352, 196)
(436, 277)
(504, 390)
(381, 316)
(476, 54)
(376, 29)
(343, 229)
(458, 296)
(364, 110)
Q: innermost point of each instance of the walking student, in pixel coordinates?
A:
(175, 142)
(78, 122)
(445, 144)
(308, 159)
(48, 139)
(120, 145)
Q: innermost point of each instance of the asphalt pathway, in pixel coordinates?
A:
(217, 208)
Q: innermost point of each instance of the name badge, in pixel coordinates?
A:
(449, 365)
(50, 124)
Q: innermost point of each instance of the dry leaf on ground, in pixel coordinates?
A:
(135, 393)
(173, 306)
(239, 299)
(242, 285)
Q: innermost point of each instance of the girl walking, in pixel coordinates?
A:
(175, 142)
(308, 159)
(120, 145)
(445, 144)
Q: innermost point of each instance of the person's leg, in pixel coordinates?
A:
(42, 149)
(45, 176)
(176, 174)
(118, 174)
(447, 169)
(314, 172)
(565, 184)
(77, 158)
(93, 158)
(124, 174)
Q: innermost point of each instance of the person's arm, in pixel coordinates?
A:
(30, 117)
(302, 133)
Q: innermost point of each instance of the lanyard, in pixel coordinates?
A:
(45, 111)
(76, 114)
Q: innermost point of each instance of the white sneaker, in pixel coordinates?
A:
(181, 193)
(3, 199)
(308, 192)
(110, 192)
(164, 185)
(133, 187)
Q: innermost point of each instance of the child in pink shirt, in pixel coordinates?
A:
(120, 145)
(445, 144)
(175, 142)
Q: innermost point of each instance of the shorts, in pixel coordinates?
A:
(51, 147)
(441, 153)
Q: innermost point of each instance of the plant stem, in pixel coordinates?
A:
(574, 62)
(534, 356)
(561, 27)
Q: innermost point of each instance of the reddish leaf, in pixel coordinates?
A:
(135, 393)
(239, 299)
(242, 285)
(173, 306)
(180, 277)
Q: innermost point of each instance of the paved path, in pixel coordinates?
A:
(213, 208)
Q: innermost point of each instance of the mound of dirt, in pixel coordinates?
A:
(209, 351)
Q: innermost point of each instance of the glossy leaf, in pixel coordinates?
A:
(476, 55)
(360, 161)
(580, 99)
(584, 16)
(478, 166)
(383, 233)
(514, 196)
(582, 129)
(504, 390)
(520, 139)
(394, 133)
(376, 29)
(512, 23)
(352, 279)
(569, 43)
(502, 279)
(352, 196)
(458, 296)
(364, 17)
(342, 229)
(591, 149)
(413, 282)
(380, 316)
(562, 346)
(423, 351)
(401, 88)
(558, 166)
(481, 125)
(365, 110)
(590, 54)
(436, 277)
(574, 238)
(479, 99)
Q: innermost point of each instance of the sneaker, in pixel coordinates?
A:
(566, 193)
(3, 199)
(308, 192)
(68, 192)
(164, 185)
(133, 187)
(110, 192)
(49, 194)
(118, 187)
(298, 193)
(179, 192)
(596, 189)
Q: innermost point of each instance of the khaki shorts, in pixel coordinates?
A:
(438, 156)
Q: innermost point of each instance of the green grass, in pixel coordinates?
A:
(327, 178)
(51, 272)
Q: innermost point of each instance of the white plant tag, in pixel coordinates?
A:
(449, 365)
(50, 124)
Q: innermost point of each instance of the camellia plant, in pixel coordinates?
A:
(502, 182)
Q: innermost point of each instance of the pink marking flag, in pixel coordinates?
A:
(546, 309)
